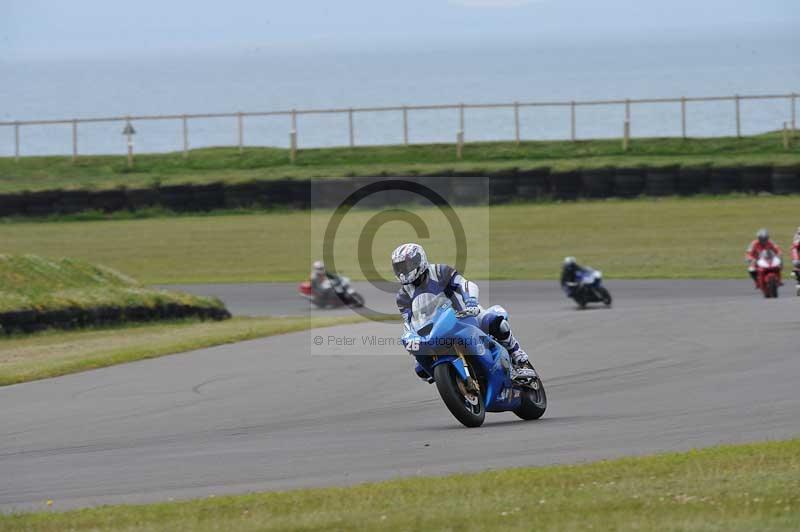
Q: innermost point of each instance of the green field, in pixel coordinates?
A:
(227, 164)
(646, 238)
(53, 353)
(731, 488)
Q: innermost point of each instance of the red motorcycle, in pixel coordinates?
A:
(334, 292)
(768, 273)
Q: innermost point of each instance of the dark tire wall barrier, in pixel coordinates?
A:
(597, 182)
(629, 182)
(28, 321)
(662, 181)
(565, 185)
(785, 180)
(504, 186)
(725, 180)
(693, 180)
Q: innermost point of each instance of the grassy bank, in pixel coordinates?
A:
(227, 164)
(745, 487)
(37, 292)
(53, 353)
(647, 238)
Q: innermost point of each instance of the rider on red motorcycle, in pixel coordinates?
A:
(319, 278)
(796, 258)
(322, 280)
(760, 244)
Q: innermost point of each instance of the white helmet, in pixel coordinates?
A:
(409, 262)
(569, 261)
(318, 267)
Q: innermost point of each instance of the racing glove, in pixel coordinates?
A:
(471, 307)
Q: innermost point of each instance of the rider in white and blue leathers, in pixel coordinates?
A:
(411, 268)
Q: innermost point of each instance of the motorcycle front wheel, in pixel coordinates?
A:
(605, 295)
(773, 287)
(467, 408)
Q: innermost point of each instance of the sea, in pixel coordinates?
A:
(257, 79)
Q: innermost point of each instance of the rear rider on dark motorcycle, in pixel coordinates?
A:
(759, 245)
(411, 268)
(796, 259)
(569, 275)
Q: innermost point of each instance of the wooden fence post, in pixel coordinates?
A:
(626, 135)
(683, 116)
(405, 126)
(350, 124)
(572, 120)
(785, 136)
(16, 141)
(74, 140)
(293, 138)
(738, 118)
(459, 145)
(240, 131)
(185, 128)
(461, 118)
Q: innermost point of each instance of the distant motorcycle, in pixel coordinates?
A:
(768, 273)
(334, 292)
(588, 288)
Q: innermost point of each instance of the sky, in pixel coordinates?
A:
(32, 29)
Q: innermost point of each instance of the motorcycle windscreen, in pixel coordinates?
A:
(424, 308)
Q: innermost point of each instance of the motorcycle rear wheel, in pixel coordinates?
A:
(534, 403)
(469, 413)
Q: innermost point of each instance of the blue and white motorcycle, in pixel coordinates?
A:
(588, 288)
(472, 371)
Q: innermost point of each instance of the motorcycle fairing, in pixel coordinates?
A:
(449, 339)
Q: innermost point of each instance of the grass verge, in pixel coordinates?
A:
(698, 237)
(37, 293)
(227, 164)
(734, 488)
(53, 353)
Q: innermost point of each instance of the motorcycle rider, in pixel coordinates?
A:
(319, 277)
(417, 276)
(322, 281)
(569, 275)
(759, 245)
(796, 259)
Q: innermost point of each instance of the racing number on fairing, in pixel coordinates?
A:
(413, 345)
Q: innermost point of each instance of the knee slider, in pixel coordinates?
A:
(500, 328)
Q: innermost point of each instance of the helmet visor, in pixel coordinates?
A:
(406, 266)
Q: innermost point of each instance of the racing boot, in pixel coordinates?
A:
(522, 370)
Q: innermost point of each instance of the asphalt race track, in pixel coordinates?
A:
(674, 365)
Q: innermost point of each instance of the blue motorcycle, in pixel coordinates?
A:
(472, 371)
